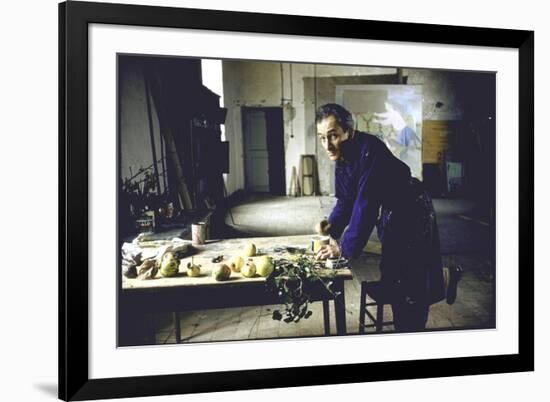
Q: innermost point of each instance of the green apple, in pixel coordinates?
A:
(236, 263)
(249, 269)
(169, 265)
(193, 270)
(250, 250)
(222, 272)
(264, 266)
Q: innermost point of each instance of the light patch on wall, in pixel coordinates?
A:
(212, 78)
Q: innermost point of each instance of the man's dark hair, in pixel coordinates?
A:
(342, 116)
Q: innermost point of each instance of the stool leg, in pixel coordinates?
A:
(326, 317)
(379, 317)
(362, 307)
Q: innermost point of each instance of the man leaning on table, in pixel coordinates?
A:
(374, 188)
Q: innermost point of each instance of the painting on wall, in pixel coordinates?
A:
(391, 112)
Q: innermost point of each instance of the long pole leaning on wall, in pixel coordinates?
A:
(152, 135)
(171, 150)
(292, 190)
(163, 163)
(316, 184)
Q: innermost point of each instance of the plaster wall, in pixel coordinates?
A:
(300, 88)
(135, 136)
(290, 86)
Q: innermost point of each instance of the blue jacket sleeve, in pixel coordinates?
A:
(339, 218)
(366, 205)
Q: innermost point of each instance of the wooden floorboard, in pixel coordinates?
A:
(206, 324)
(247, 326)
(312, 326)
(189, 320)
(267, 328)
(473, 308)
(227, 321)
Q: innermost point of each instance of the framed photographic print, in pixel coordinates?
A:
(258, 200)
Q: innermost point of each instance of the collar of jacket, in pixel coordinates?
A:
(350, 150)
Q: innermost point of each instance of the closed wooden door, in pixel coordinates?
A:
(255, 150)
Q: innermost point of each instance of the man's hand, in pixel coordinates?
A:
(328, 251)
(322, 227)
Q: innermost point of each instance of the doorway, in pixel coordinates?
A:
(263, 144)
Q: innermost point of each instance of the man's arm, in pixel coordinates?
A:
(366, 205)
(339, 218)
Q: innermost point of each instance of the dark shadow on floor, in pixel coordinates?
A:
(229, 232)
(48, 389)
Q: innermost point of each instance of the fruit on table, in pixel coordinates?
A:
(169, 265)
(250, 250)
(147, 270)
(193, 270)
(249, 269)
(264, 266)
(221, 272)
(237, 263)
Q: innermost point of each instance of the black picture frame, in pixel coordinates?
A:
(74, 18)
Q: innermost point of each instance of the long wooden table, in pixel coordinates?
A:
(183, 293)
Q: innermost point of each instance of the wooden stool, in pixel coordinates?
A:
(374, 291)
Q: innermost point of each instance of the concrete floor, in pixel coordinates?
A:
(464, 242)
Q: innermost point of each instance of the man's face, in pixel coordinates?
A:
(331, 136)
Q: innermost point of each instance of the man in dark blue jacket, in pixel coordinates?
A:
(374, 188)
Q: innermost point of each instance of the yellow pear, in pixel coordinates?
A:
(249, 269)
(193, 270)
(264, 266)
(250, 250)
(169, 265)
(237, 263)
(221, 273)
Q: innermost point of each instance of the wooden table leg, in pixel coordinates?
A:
(340, 307)
(177, 326)
(326, 317)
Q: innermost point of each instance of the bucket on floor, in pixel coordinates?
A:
(198, 232)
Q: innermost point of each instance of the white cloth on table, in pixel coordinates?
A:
(143, 248)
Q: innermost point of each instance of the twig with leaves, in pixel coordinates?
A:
(291, 280)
